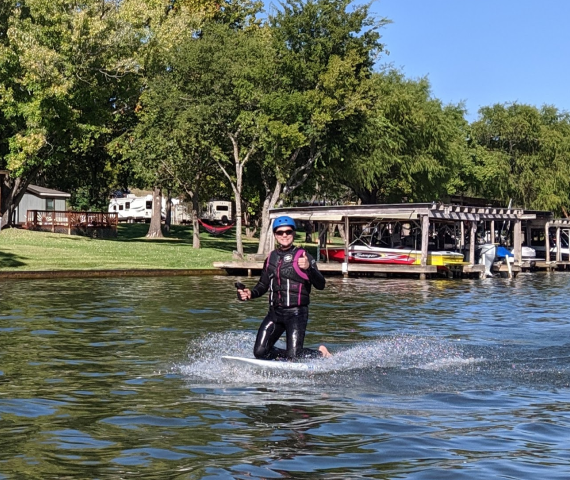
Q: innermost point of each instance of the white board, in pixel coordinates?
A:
(267, 364)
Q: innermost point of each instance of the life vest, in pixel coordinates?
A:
(289, 285)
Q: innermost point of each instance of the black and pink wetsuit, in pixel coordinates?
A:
(289, 295)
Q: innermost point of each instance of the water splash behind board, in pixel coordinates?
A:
(397, 352)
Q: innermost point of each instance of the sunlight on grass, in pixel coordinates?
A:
(23, 250)
(26, 250)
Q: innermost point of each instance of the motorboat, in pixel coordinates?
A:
(365, 254)
(382, 255)
(540, 250)
(528, 253)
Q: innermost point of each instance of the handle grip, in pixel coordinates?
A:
(239, 286)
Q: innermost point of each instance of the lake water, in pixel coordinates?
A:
(442, 379)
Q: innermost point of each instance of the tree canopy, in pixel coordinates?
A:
(522, 153)
(197, 97)
(410, 147)
(62, 72)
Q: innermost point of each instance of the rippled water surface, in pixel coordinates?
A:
(442, 379)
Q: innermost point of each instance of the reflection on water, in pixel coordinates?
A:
(122, 378)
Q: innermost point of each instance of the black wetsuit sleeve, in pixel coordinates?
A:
(315, 276)
(263, 284)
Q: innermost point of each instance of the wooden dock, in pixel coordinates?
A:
(358, 269)
(552, 265)
(425, 227)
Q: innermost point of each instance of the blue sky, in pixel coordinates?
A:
(482, 52)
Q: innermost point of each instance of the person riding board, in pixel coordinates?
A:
(288, 274)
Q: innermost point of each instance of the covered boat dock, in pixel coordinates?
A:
(544, 233)
(433, 226)
(459, 223)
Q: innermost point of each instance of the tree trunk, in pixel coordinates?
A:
(12, 192)
(192, 194)
(341, 232)
(238, 184)
(168, 219)
(250, 230)
(195, 224)
(308, 231)
(266, 238)
(237, 194)
(280, 193)
(237, 187)
(332, 228)
(264, 230)
(155, 230)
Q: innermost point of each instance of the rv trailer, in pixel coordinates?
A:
(139, 209)
(132, 208)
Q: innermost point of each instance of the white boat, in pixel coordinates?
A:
(528, 253)
(540, 250)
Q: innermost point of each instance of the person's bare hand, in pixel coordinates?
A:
(245, 294)
(303, 261)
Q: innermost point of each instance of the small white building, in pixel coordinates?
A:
(40, 198)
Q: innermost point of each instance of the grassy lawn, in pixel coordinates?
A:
(22, 250)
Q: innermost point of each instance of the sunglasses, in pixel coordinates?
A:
(284, 232)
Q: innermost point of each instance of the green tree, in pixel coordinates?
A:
(169, 29)
(217, 82)
(326, 53)
(63, 73)
(411, 147)
(166, 147)
(522, 153)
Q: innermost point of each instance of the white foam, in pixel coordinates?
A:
(401, 351)
(451, 362)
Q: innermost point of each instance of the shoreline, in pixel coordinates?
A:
(154, 272)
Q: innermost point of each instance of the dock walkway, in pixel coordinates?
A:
(359, 269)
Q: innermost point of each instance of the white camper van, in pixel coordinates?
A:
(218, 211)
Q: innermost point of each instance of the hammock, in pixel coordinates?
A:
(212, 230)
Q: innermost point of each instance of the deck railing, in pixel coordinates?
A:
(73, 223)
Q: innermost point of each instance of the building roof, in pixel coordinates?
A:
(47, 192)
(401, 211)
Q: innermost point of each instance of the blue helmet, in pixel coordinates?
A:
(284, 221)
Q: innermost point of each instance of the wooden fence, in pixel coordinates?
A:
(93, 224)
